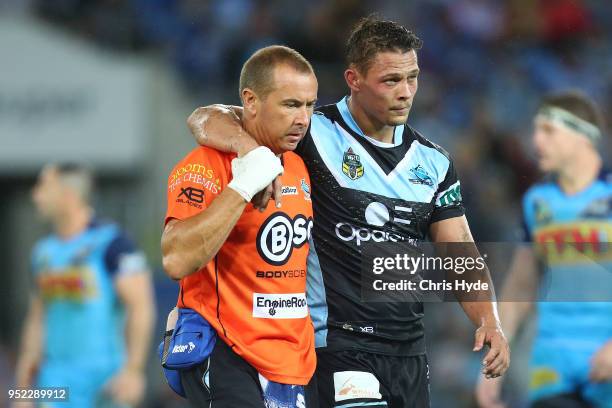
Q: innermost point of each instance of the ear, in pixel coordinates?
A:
(249, 101)
(353, 78)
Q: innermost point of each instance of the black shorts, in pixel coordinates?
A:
(225, 380)
(350, 378)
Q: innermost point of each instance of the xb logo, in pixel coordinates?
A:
(192, 194)
(279, 234)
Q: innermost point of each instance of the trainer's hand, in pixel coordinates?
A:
(254, 171)
(127, 387)
(488, 392)
(261, 199)
(601, 364)
(497, 360)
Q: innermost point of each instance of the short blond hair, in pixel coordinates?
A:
(257, 72)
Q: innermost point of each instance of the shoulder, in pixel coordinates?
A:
(121, 254)
(326, 116)
(205, 161)
(202, 155)
(540, 189)
(605, 176)
(422, 140)
(43, 245)
(329, 112)
(292, 159)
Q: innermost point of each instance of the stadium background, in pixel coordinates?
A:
(111, 82)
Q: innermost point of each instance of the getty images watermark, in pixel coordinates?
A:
(407, 272)
(483, 271)
(425, 266)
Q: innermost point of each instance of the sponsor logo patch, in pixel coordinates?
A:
(280, 234)
(289, 190)
(191, 196)
(279, 305)
(295, 273)
(355, 385)
(182, 348)
(450, 196)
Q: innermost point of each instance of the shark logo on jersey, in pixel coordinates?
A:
(351, 164)
(421, 176)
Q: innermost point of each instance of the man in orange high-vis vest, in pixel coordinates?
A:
(242, 269)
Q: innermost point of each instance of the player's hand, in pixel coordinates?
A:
(254, 171)
(261, 199)
(127, 387)
(245, 145)
(601, 364)
(497, 360)
(488, 392)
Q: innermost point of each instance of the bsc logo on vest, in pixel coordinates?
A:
(280, 234)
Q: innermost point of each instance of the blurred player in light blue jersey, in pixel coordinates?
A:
(569, 220)
(91, 312)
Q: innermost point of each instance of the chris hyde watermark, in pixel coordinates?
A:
(425, 285)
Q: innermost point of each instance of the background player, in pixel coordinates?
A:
(373, 176)
(244, 270)
(569, 217)
(74, 335)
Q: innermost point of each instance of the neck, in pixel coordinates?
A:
(254, 130)
(72, 222)
(580, 173)
(369, 125)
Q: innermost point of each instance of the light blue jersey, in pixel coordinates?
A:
(573, 235)
(83, 319)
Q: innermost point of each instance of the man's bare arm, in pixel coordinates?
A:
(457, 230)
(31, 343)
(136, 293)
(220, 127)
(189, 244)
(482, 313)
(519, 290)
(517, 297)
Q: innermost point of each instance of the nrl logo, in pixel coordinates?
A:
(351, 165)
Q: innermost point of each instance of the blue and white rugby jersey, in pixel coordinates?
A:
(367, 191)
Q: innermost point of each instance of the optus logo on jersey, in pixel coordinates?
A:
(348, 232)
(376, 214)
(279, 305)
(280, 234)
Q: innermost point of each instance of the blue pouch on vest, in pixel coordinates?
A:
(187, 345)
(173, 377)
